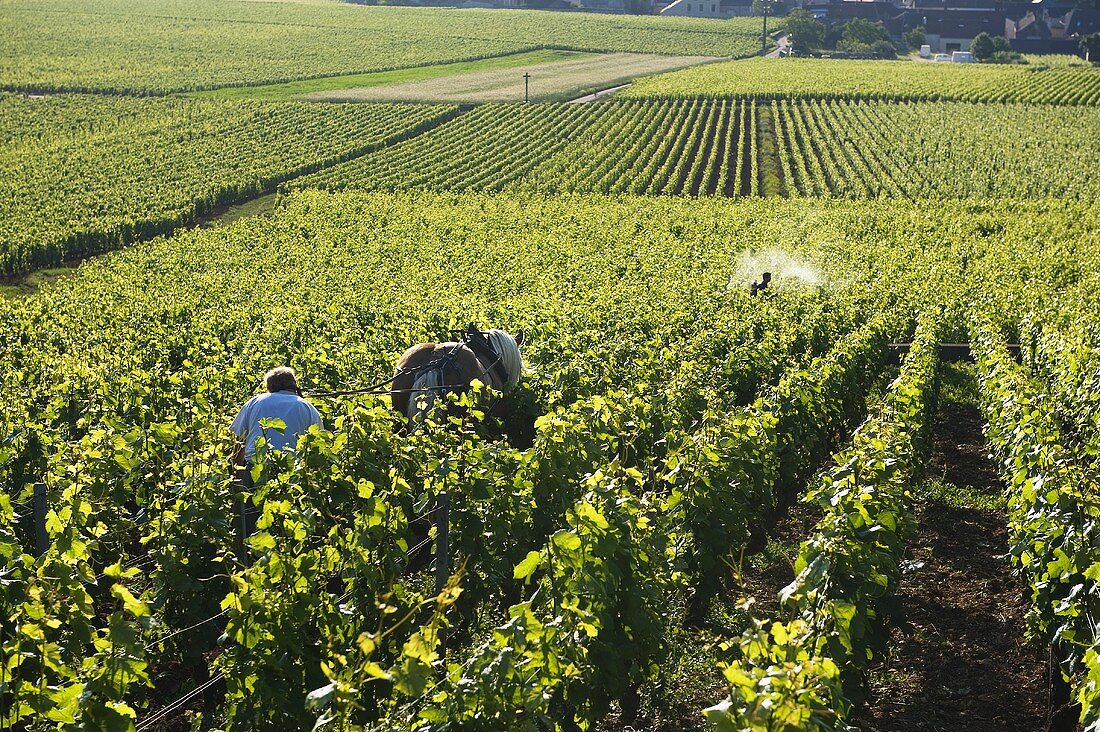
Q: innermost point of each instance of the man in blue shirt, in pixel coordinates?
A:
(283, 401)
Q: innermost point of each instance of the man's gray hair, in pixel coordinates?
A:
(281, 378)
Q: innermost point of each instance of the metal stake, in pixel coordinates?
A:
(526, 81)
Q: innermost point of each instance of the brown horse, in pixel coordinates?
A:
(428, 370)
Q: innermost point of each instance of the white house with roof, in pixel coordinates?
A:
(707, 8)
(694, 9)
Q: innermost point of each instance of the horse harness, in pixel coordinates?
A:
(471, 337)
(484, 353)
(479, 345)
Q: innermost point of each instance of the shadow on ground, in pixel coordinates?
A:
(960, 663)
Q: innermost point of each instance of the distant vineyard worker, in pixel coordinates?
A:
(756, 287)
(284, 401)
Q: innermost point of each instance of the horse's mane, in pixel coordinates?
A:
(425, 387)
(508, 350)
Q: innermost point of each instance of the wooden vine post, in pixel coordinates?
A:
(442, 542)
(442, 555)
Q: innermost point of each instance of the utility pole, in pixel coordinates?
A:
(765, 7)
(764, 34)
(526, 81)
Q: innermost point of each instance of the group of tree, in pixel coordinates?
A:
(857, 36)
(866, 37)
(995, 50)
(1090, 46)
(860, 36)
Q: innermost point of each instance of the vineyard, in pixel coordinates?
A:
(707, 505)
(947, 150)
(665, 418)
(559, 80)
(697, 147)
(115, 191)
(879, 80)
(136, 168)
(681, 147)
(202, 44)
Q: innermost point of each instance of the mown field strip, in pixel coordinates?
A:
(554, 80)
(334, 85)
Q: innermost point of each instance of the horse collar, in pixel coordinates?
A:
(484, 352)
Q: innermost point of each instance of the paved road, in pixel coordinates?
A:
(781, 45)
(597, 95)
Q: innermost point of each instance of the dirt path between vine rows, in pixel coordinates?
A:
(960, 662)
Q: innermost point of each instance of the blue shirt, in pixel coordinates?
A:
(293, 410)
